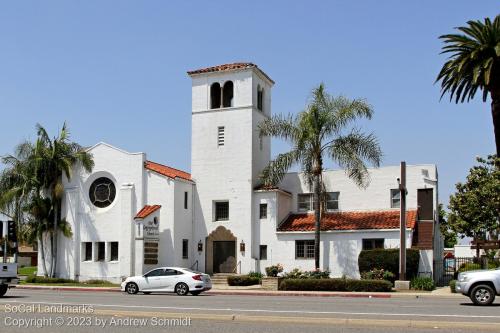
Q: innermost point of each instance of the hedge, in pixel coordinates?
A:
(42, 279)
(242, 280)
(453, 285)
(388, 259)
(335, 285)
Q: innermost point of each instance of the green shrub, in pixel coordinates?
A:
(274, 270)
(335, 285)
(453, 284)
(422, 283)
(242, 280)
(96, 282)
(42, 279)
(470, 266)
(378, 274)
(256, 275)
(298, 274)
(388, 259)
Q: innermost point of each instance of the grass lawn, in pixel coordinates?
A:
(28, 270)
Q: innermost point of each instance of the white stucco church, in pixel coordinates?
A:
(131, 214)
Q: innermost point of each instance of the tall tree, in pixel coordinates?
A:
(323, 130)
(475, 206)
(450, 237)
(54, 158)
(474, 63)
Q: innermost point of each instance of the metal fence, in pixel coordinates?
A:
(448, 269)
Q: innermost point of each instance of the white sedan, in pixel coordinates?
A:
(168, 279)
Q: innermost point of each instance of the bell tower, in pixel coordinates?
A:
(227, 154)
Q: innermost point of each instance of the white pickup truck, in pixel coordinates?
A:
(481, 286)
(8, 277)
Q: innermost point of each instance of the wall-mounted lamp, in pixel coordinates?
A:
(200, 246)
(242, 246)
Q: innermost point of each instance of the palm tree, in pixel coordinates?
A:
(321, 131)
(474, 64)
(54, 158)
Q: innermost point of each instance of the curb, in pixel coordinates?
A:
(64, 288)
(296, 293)
(258, 293)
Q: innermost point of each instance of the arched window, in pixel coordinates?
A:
(215, 94)
(260, 98)
(227, 94)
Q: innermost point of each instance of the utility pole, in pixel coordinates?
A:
(402, 225)
(4, 234)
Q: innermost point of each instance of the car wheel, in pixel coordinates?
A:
(3, 290)
(181, 289)
(132, 288)
(482, 294)
(195, 293)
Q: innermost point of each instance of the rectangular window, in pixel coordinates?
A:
(304, 202)
(263, 252)
(332, 201)
(185, 200)
(373, 243)
(263, 211)
(304, 249)
(100, 251)
(222, 211)
(220, 136)
(87, 251)
(185, 248)
(395, 198)
(260, 99)
(113, 249)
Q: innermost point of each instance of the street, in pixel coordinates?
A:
(50, 311)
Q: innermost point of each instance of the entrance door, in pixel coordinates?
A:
(224, 256)
(425, 204)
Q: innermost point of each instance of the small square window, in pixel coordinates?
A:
(263, 211)
(113, 249)
(222, 211)
(332, 201)
(185, 248)
(304, 249)
(263, 252)
(305, 202)
(395, 198)
(100, 251)
(87, 251)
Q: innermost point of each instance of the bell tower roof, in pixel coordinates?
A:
(229, 67)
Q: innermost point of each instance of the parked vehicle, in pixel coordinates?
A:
(168, 279)
(481, 286)
(8, 277)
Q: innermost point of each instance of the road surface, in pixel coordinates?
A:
(72, 311)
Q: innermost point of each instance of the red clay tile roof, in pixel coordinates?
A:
(222, 68)
(146, 211)
(228, 67)
(166, 170)
(388, 219)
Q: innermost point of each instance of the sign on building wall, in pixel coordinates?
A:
(151, 240)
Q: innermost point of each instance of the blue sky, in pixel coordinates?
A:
(116, 70)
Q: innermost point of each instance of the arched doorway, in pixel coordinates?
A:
(221, 251)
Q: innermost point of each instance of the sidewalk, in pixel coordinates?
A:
(245, 291)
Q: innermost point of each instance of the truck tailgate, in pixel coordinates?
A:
(8, 270)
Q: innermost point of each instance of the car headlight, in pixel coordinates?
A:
(463, 278)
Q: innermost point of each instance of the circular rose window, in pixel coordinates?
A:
(102, 192)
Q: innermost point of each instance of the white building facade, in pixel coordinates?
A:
(130, 214)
